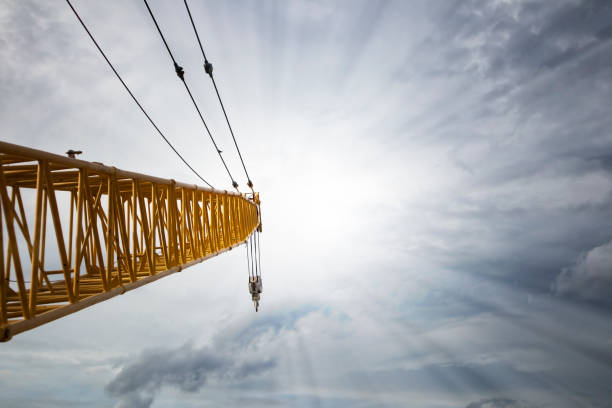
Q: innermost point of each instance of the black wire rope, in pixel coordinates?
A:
(259, 253)
(248, 258)
(181, 74)
(253, 254)
(209, 70)
(133, 97)
(251, 248)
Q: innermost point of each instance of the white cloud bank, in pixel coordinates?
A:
(590, 277)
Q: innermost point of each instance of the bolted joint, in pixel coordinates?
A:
(250, 184)
(234, 184)
(208, 68)
(179, 71)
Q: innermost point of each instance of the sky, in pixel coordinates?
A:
(436, 185)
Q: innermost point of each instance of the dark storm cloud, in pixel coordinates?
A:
(516, 40)
(185, 368)
(590, 277)
(231, 359)
(522, 241)
(533, 80)
(522, 338)
(605, 161)
(517, 56)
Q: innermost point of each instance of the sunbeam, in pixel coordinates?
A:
(436, 201)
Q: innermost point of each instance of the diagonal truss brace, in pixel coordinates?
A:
(112, 231)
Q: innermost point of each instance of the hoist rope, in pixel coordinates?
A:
(133, 97)
(181, 74)
(253, 255)
(208, 68)
(248, 258)
(258, 253)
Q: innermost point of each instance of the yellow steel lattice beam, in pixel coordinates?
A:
(75, 233)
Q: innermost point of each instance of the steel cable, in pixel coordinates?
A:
(181, 74)
(248, 258)
(209, 70)
(253, 267)
(259, 253)
(133, 97)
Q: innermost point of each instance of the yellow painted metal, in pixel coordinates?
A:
(114, 231)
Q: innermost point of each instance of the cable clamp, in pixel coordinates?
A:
(208, 68)
(179, 71)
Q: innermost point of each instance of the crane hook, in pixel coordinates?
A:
(255, 290)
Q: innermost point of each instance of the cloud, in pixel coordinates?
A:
(455, 379)
(185, 368)
(499, 403)
(234, 356)
(590, 278)
(135, 400)
(472, 143)
(237, 353)
(517, 40)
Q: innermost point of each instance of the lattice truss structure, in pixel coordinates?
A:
(75, 233)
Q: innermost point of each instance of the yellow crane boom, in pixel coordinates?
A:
(113, 231)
